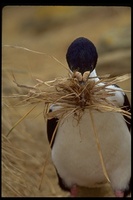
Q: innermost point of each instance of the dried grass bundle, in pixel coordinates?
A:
(73, 96)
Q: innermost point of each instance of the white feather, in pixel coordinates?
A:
(118, 98)
(75, 153)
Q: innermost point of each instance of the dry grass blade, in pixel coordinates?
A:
(20, 120)
(48, 153)
(33, 51)
(99, 147)
(14, 175)
(13, 189)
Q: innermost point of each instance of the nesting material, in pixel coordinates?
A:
(74, 96)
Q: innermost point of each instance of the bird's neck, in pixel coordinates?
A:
(94, 74)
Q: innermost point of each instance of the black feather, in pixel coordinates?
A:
(128, 191)
(51, 125)
(61, 183)
(82, 55)
(126, 106)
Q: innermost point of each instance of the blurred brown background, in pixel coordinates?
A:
(51, 29)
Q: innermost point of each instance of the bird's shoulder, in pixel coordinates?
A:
(52, 123)
(120, 98)
(122, 101)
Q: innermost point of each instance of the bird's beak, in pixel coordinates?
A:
(82, 78)
(86, 76)
(78, 75)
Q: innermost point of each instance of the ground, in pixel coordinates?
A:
(49, 30)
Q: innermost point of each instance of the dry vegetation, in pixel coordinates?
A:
(25, 149)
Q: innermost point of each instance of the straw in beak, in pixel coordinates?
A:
(81, 78)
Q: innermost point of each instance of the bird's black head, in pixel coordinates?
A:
(81, 55)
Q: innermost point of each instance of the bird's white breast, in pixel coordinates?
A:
(75, 153)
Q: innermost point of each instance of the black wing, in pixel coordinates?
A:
(126, 106)
(51, 125)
